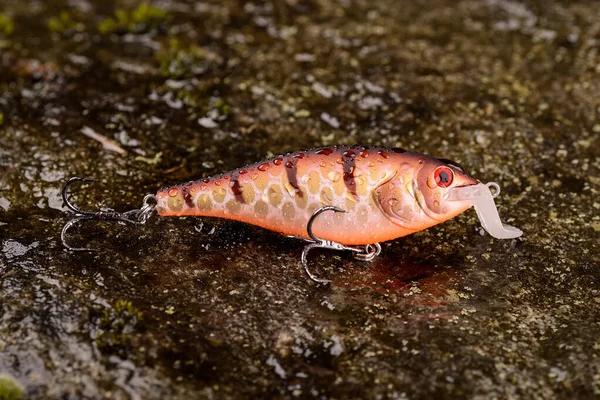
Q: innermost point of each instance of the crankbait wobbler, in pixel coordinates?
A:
(375, 194)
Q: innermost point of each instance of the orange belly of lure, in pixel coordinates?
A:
(386, 193)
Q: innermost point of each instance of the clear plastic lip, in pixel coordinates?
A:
(482, 199)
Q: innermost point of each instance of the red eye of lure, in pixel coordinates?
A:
(341, 198)
(443, 176)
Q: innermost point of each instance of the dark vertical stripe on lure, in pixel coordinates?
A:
(291, 171)
(185, 191)
(349, 165)
(236, 188)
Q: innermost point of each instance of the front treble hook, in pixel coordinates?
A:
(136, 217)
(366, 253)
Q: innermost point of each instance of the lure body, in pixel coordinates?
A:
(386, 193)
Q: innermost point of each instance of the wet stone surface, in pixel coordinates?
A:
(199, 308)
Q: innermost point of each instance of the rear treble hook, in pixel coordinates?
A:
(136, 217)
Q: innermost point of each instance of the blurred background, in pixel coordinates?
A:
(146, 94)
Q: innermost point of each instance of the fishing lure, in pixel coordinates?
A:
(340, 198)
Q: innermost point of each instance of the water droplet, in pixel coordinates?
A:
(392, 202)
(278, 161)
(327, 195)
(384, 154)
(203, 187)
(244, 171)
(289, 164)
(206, 180)
(173, 192)
(349, 153)
(218, 182)
(325, 152)
(398, 150)
(421, 160)
(334, 176)
(371, 164)
(340, 160)
(299, 156)
(364, 154)
(322, 164)
(263, 167)
(436, 203)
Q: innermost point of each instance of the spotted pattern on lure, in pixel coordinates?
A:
(386, 193)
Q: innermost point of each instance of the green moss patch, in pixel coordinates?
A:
(10, 389)
(116, 327)
(178, 61)
(64, 24)
(7, 25)
(142, 19)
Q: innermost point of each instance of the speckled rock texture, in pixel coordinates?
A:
(200, 308)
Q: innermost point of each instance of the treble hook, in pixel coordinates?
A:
(136, 217)
(366, 253)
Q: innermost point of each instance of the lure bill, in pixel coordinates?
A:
(373, 194)
(482, 199)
